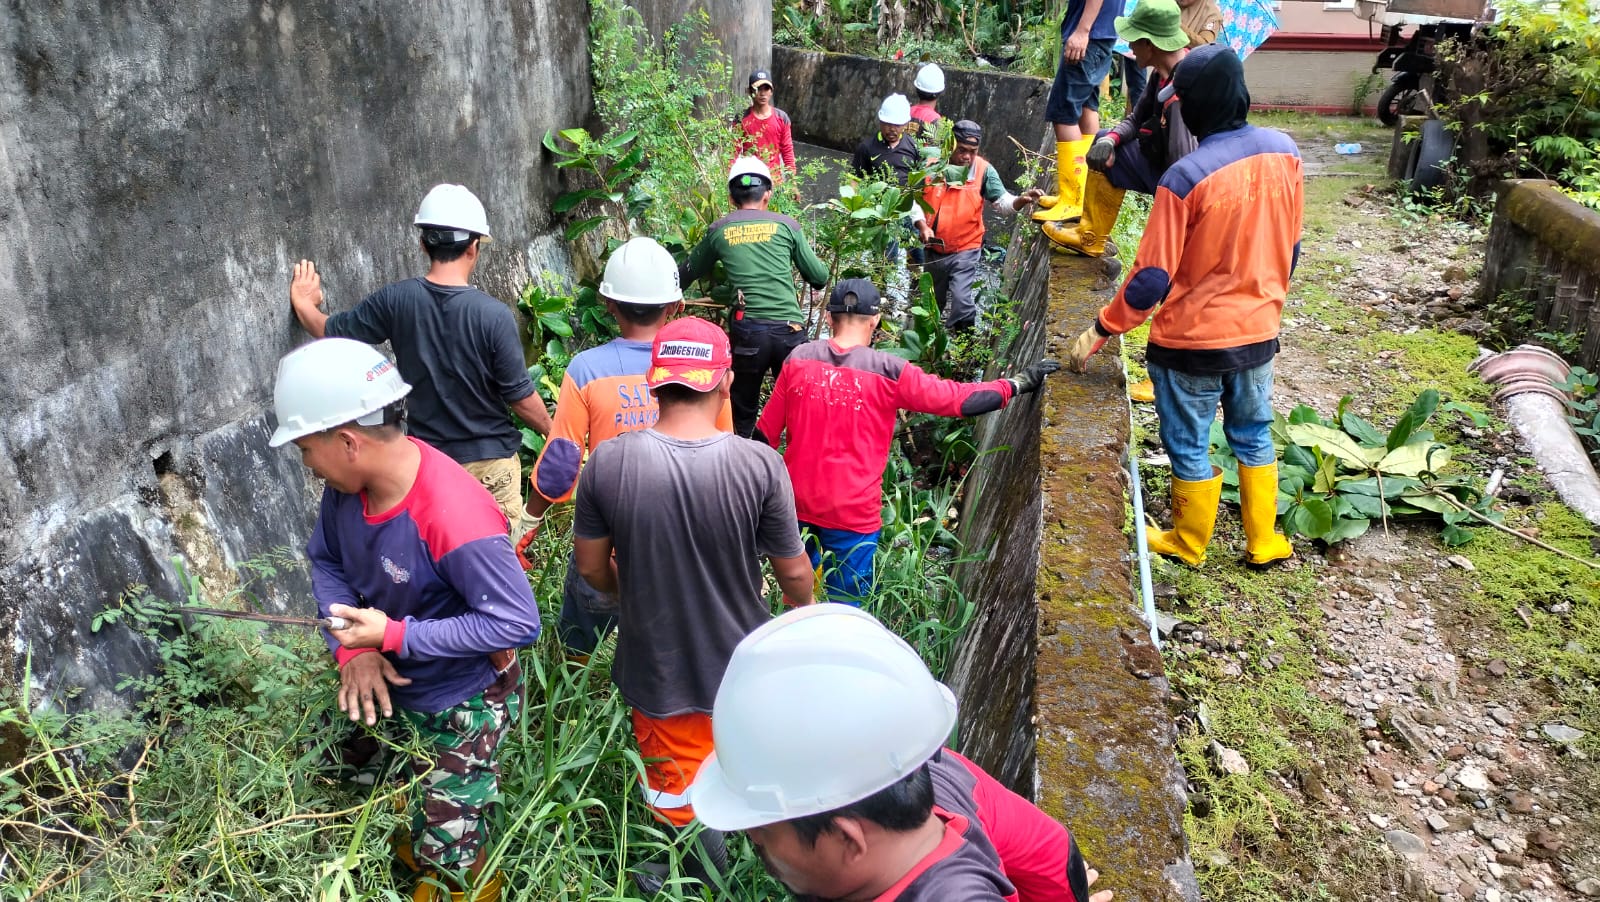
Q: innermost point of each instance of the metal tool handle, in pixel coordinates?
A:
(337, 623)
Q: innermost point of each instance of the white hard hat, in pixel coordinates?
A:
(330, 382)
(819, 708)
(930, 79)
(749, 166)
(453, 207)
(641, 272)
(895, 110)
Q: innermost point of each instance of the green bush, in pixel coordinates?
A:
(1539, 103)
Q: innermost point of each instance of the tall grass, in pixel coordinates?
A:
(217, 784)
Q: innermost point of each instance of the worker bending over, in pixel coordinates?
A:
(689, 510)
(457, 347)
(837, 401)
(1213, 270)
(604, 394)
(830, 756)
(952, 230)
(759, 250)
(412, 551)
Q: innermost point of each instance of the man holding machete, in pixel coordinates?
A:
(412, 551)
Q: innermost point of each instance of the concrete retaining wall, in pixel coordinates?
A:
(833, 100)
(1545, 247)
(1316, 81)
(1063, 696)
(162, 165)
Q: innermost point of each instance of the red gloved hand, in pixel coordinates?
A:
(529, 525)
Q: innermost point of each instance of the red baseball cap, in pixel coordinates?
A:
(690, 352)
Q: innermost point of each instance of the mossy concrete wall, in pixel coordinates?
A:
(1544, 247)
(833, 100)
(1063, 695)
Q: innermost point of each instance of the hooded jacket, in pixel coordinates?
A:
(1224, 233)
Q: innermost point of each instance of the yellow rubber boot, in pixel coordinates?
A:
(1067, 202)
(1101, 204)
(1194, 516)
(488, 891)
(1143, 392)
(1258, 506)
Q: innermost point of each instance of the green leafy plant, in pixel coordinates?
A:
(1539, 105)
(615, 162)
(1339, 475)
(1583, 408)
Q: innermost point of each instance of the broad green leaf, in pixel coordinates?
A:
(1453, 535)
(1364, 432)
(1417, 414)
(575, 135)
(582, 226)
(1333, 441)
(1312, 518)
(1302, 415)
(557, 324)
(1345, 529)
(1296, 456)
(1292, 473)
(1414, 459)
(621, 167)
(1429, 503)
(1327, 476)
(1368, 506)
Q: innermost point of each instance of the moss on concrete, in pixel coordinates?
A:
(1105, 733)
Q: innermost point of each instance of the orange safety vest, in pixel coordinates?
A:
(957, 216)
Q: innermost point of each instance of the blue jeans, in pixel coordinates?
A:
(845, 559)
(1134, 78)
(1129, 170)
(587, 615)
(1186, 404)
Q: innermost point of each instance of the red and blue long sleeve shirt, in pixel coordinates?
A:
(440, 564)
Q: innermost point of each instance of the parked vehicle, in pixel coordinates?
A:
(1411, 90)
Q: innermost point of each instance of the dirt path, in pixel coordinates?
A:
(1431, 761)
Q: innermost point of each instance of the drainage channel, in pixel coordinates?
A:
(1064, 695)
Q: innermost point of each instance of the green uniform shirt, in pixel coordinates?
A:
(759, 250)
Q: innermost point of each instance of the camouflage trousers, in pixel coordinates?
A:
(460, 772)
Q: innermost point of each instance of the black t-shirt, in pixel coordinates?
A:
(458, 348)
(873, 157)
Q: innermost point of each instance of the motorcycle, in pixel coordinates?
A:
(1411, 89)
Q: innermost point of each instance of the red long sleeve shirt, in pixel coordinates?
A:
(838, 407)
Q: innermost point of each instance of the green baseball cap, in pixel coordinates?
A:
(1157, 21)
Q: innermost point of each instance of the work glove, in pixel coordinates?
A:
(1031, 378)
(1083, 347)
(528, 526)
(1102, 154)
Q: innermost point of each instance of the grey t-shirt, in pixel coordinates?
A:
(690, 521)
(458, 348)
